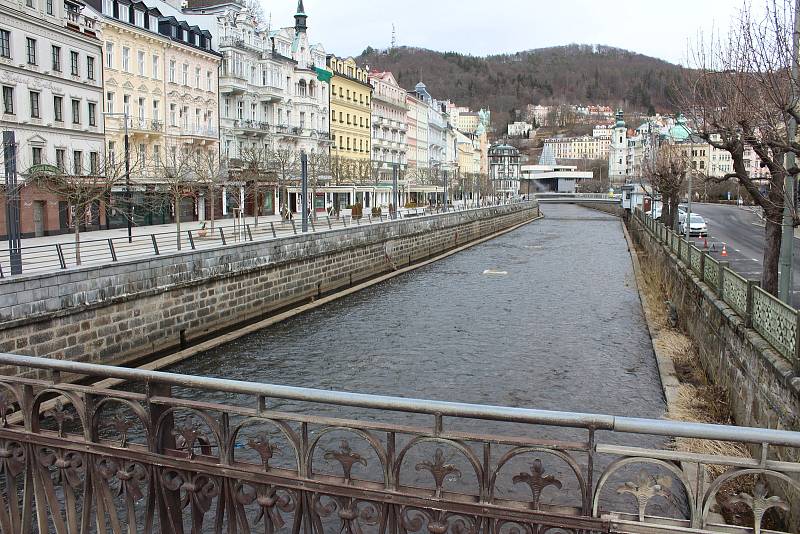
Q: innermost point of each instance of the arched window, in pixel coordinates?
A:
(301, 88)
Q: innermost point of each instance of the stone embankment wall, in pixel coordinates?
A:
(763, 387)
(117, 313)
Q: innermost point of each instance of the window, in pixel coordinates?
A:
(173, 121)
(185, 77)
(348, 118)
(34, 104)
(157, 155)
(60, 157)
(302, 119)
(31, 51)
(141, 109)
(172, 71)
(77, 162)
(56, 58)
(76, 111)
(153, 23)
(73, 62)
(126, 59)
(112, 155)
(110, 55)
(37, 155)
(29, 3)
(5, 43)
(155, 68)
(94, 163)
(239, 110)
(58, 112)
(108, 7)
(139, 18)
(8, 99)
(140, 61)
(156, 114)
(49, 7)
(227, 107)
(208, 81)
(90, 67)
(92, 114)
(197, 78)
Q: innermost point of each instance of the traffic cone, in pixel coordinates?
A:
(724, 250)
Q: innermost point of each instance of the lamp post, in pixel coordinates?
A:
(129, 213)
(304, 188)
(395, 192)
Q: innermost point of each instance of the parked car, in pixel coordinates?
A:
(697, 225)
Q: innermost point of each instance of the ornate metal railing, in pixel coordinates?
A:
(776, 321)
(179, 453)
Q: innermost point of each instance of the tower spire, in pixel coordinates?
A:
(300, 18)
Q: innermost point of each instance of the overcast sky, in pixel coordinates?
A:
(660, 28)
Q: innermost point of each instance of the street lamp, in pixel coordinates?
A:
(129, 214)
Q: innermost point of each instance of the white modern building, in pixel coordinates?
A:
(551, 178)
(52, 84)
(504, 170)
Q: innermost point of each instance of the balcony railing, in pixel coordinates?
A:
(199, 131)
(191, 453)
(145, 125)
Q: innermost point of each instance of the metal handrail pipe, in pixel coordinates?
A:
(431, 407)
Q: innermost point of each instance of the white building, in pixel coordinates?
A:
(618, 153)
(52, 84)
(519, 129)
(504, 170)
(389, 111)
(551, 178)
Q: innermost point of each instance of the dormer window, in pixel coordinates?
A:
(108, 7)
(174, 32)
(153, 23)
(139, 18)
(185, 35)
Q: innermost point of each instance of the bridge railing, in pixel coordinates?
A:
(176, 453)
(777, 322)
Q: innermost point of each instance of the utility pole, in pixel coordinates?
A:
(304, 190)
(787, 239)
(12, 202)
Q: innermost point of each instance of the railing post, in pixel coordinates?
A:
(344, 221)
(329, 223)
(796, 362)
(61, 259)
(748, 316)
(313, 228)
(249, 233)
(222, 235)
(1, 271)
(272, 227)
(721, 281)
(111, 249)
(169, 508)
(191, 239)
(155, 243)
(703, 255)
(294, 227)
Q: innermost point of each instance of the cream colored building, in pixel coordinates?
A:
(583, 147)
(351, 109)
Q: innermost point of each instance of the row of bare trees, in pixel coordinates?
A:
(740, 97)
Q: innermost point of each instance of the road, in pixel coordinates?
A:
(742, 232)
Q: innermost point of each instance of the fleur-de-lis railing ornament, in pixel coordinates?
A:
(122, 425)
(12, 458)
(66, 466)
(644, 488)
(271, 503)
(265, 449)
(353, 513)
(347, 458)
(439, 469)
(188, 436)
(60, 415)
(130, 475)
(537, 481)
(759, 503)
(438, 521)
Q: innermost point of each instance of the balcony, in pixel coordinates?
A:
(241, 44)
(79, 23)
(253, 127)
(232, 84)
(142, 126)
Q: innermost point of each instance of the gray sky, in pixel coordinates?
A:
(659, 28)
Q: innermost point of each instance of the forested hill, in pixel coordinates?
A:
(574, 74)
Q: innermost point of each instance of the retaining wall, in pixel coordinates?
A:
(114, 314)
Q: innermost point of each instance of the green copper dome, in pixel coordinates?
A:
(680, 132)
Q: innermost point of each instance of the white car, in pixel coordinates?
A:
(697, 225)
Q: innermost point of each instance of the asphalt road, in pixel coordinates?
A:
(742, 231)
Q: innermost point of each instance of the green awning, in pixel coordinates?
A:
(323, 75)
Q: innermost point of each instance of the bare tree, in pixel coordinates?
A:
(212, 172)
(255, 173)
(82, 188)
(742, 94)
(667, 173)
(285, 163)
(318, 173)
(177, 179)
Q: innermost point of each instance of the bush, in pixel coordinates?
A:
(410, 204)
(376, 211)
(358, 209)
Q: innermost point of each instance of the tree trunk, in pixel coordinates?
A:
(77, 225)
(178, 219)
(772, 252)
(213, 202)
(256, 202)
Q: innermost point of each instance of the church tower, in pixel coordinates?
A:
(300, 18)
(618, 151)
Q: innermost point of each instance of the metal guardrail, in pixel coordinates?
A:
(775, 321)
(61, 256)
(180, 453)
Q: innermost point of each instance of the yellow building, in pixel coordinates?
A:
(162, 74)
(351, 109)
